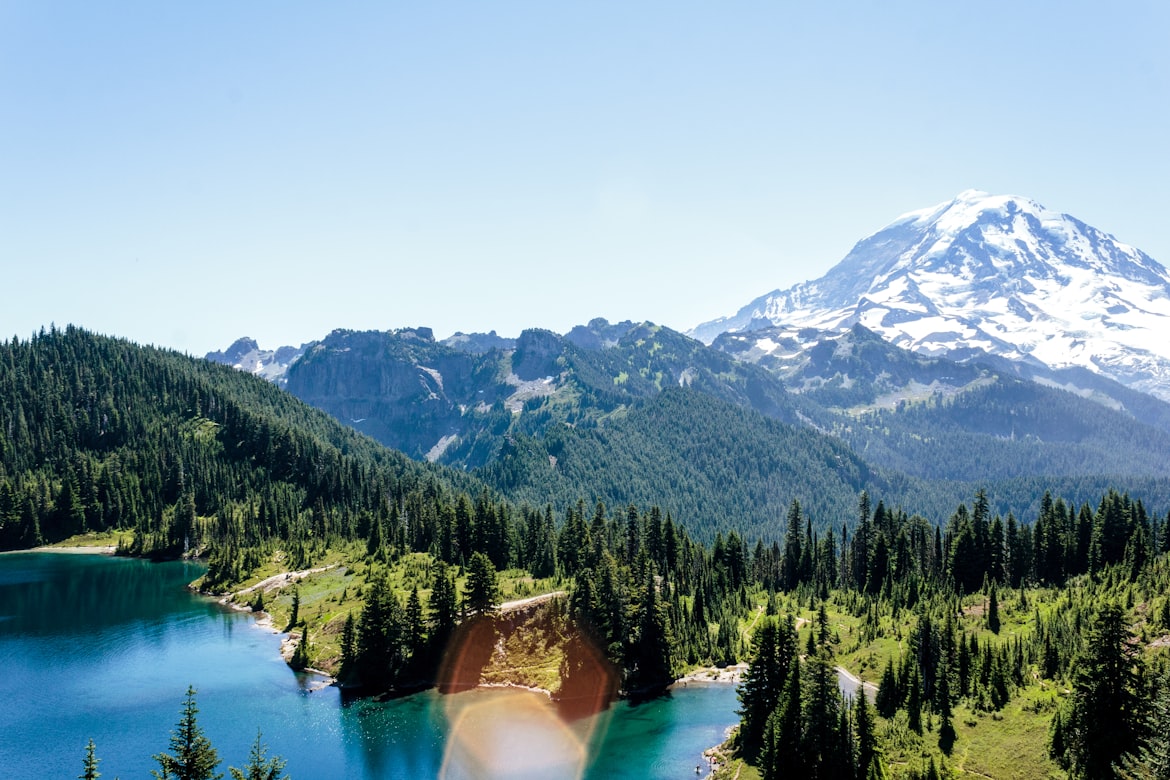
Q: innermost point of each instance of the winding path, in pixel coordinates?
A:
(512, 606)
(277, 580)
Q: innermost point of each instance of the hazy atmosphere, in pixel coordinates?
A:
(184, 174)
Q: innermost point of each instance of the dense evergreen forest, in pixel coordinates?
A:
(1002, 427)
(98, 433)
(1061, 621)
(1054, 619)
(726, 467)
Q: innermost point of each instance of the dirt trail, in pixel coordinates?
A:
(747, 631)
(511, 606)
(279, 580)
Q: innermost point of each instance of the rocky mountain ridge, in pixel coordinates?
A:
(246, 355)
(626, 411)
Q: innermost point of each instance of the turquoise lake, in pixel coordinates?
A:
(98, 647)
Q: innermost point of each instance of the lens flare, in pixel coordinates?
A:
(513, 732)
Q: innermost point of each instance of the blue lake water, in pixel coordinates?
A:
(103, 648)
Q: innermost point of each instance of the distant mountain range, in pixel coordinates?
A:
(452, 402)
(924, 366)
(982, 277)
(245, 354)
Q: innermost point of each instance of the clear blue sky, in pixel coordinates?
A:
(184, 173)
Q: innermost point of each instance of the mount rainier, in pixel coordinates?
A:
(987, 275)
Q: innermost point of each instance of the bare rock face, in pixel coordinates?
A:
(400, 387)
(536, 354)
(599, 334)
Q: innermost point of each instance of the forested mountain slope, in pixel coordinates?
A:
(455, 405)
(714, 465)
(98, 433)
(927, 417)
(926, 432)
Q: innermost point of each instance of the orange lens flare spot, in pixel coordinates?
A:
(513, 732)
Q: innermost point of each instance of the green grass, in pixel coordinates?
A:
(1011, 744)
(94, 539)
(327, 598)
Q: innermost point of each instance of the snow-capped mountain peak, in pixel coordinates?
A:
(991, 274)
(245, 355)
(965, 209)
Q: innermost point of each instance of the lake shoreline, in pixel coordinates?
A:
(731, 674)
(69, 550)
(288, 643)
(163, 638)
(727, 675)
(720, 675)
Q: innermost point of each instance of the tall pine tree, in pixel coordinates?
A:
(1103, 722)
(192, 757)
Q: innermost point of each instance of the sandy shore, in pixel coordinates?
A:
(713, 674)
(92, 550)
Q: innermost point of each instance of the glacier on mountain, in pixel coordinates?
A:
(993, 275)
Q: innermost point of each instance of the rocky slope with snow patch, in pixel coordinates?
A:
(245, 355)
